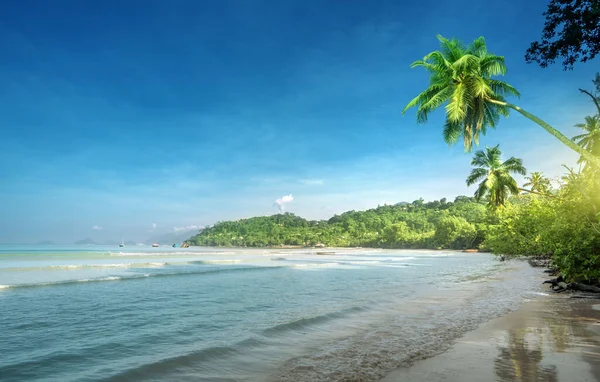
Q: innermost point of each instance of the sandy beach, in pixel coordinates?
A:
(552, 338)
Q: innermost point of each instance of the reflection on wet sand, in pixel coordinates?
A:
(559, 327)
(550, 340)
(519, 362)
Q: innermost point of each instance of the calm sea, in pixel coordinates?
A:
(199, 314)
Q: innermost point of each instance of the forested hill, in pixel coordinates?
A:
(439, 224)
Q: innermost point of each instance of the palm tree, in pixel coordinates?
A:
(495, 176)
(590, 141)
(537, 183)
(461, 78)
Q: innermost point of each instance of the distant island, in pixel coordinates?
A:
(45, 242)
(86, 241)
(440, 224)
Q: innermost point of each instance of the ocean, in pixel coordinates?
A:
(92, 313)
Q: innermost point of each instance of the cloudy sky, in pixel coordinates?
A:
(130, 118)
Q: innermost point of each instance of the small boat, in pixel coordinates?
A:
(175, 245)
(155, 245)
(121, 244)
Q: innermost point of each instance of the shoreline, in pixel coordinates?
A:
(549, 338)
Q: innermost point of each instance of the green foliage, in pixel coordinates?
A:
(537, 182)
(454, 232)
(496, 182)
(406, 225)
(566, 226)
(590, 140)
(461, 78)
(571, 32)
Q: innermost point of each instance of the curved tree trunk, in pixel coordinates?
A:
(591, 158)
(595, 99)
(535, 192)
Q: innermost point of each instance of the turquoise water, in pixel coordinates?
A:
(199, 314)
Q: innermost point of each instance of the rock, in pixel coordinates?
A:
(562, 285)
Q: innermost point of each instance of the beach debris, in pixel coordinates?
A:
(592, 296)
(558, 285)
(585, 287)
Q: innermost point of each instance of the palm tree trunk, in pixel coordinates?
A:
(591, 158)
(595, 99)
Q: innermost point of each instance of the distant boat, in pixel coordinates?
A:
(155, 245)
(121, 244)
(175, 245)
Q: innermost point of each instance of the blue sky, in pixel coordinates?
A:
(133, 118)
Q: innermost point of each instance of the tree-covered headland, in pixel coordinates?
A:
(458, 224)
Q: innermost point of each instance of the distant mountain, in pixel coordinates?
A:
(86, 241)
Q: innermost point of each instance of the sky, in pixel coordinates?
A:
(127, 119)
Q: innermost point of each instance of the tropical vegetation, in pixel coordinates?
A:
(497, 183)
(458, 224)
(461, 78)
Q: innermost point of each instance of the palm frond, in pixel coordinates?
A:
(451, 132)
(515, 165)
(476, 175)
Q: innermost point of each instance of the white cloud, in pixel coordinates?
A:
(281, 202)
(97, 227)
(312, 182)
(191, 227)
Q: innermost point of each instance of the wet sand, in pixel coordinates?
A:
(549, 339)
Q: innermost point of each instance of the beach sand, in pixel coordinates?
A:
(549, 339)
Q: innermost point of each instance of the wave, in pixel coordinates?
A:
(88, 266)
(310, 321)
(195, 360)
(139, 276)
(173, 253)
(224, 261)
(402, 338)
(117, 265)
(314, 265)
(155, 369)
(361, 262)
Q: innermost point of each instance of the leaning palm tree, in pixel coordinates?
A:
(537, 183)
(461, 79)
(496, 183)
(590, 140)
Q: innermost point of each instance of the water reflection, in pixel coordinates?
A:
(571, 331)
(521, 360)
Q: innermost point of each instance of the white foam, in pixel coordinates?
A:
(110, 278)
(314, 265)
(114, 265)
(224, 261)
(363, 262)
